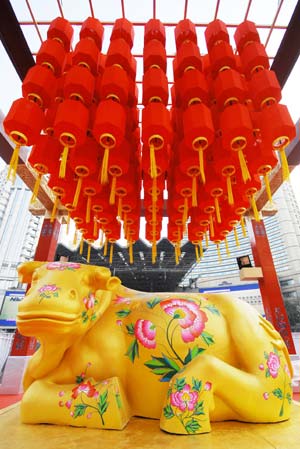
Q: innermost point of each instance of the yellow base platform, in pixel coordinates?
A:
(145, 434)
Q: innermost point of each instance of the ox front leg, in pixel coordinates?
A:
(85, 404)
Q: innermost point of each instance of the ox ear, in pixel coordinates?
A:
(114, 284)
(26, 270)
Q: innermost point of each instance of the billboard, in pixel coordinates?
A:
(9, 307)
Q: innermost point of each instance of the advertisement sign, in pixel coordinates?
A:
(9, 307)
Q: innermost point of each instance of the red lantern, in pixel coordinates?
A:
(264, 88)
(194, 88)
(225, 165)
(118, 166)
(189, 166)
(185, 30)
(50, 115)
(114, 84)
(254, 58)
(215, 32)
(188, 57)
(119, 53)
(52, 55)
(245, 33)
(70, 127)
(123, 29)
(93, 29)
(155, 55)
(154, 30)
(79, 84)
(221, 58)
(229, 88)
(61, 30)
(155, 86)
(86, 54)
(109, 130)
(39, 86)
(90, 187)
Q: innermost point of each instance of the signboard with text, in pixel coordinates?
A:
(9, 307)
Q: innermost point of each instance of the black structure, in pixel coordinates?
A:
(163, 276)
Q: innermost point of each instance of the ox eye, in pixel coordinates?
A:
(72, 294)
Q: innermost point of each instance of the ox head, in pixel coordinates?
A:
(64, 298)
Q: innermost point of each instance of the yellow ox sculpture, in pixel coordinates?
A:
(108, 353)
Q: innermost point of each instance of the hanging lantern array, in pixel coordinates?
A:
(210, 151)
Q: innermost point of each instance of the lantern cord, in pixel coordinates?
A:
(95, 229)
(185, 210)
(68, 223)
(154, 251)
(201, 249)
(77, 192)
(36, 188)
(104, 167)
(111, 253)
(154, 214)
(88, 209)
(13, 165)
(112, 196)
(243, 226)
(105, 248)
(153, 168)
(75, 237)
(217, 207)
(268, 188)
(243, 164)
(229, 190)
(81, 246)
(206, 239)
(219, 253)
(201, 165)
(63, 162)
(227, 247)
(54, 209)
(130, 252)
(88, 257)
(237, 242)
(154, 190)
(176, 254)
(120, 207)
(284, 165)
(254, 208)
(211, 226)
(194, 192)
(197, 254)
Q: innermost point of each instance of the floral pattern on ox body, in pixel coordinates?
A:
(88, 398)
(89, 313)
(48, 291)
(186, 404)
(273, 369)
(185, 317)
(61, 266)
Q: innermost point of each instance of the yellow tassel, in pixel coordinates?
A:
(211, 226)
(81, 246)
(53, 213)
(237, 242)
(219, 253)
(243, 226)
(243, 165)
(217, 207)
(201, 249)
(229, 191)
(13, 165)
(197, 254)
(185, 210)
(111, 253)
(206, 239)
(36, 188)
(112, 196)
(77, 192)
(227, 247)
(153, 251)
(130, 252)
(105, 248)
(75, 238)
(284, 165)
(194, 192)
(153, 169)
(254, 208)
(88, 257)
(101, 239)
(88, 209)
(104, 167)
(201, 166)
(176, 254)
(63, 162)
(120, 207)
(68, 223)
(95, 229)
(154, 190)
(268, 188)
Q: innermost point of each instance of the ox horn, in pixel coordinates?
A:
(26, 270)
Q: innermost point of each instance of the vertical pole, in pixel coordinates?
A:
(269, 285)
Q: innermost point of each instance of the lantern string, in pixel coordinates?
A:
(284, 165)
(201, 165)
(104, 167)
(95, 229)
(268, 187)
(154, 251)
(201, 248)
(243, 226)
(154, 190)
(153, 168)
(105, 248)
(111, 253)
(63, 162)
(237, 242)
(130, 252)
(81, 246)
(77, 192)
(211, 226)
(197, 254)
(219, 252)
(206, 239)
(54, 209)
(120, 207)
(254, 208)
(227, 247)
(194, 192)
(229, 190)
(88, 257)
(217, 207)
(185, 210)
(243, 164)
(13, 165)
(176, 254)
(36, 188)
(88, 209)
(112, 196)
(68, 223)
